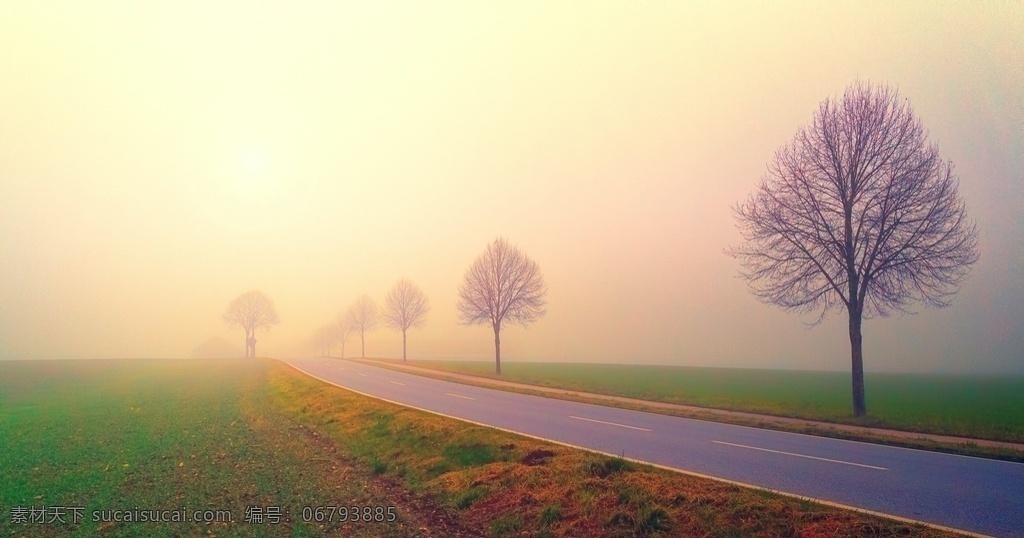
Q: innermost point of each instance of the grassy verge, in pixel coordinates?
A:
(508, 485)
(440, 369)
(174, 436)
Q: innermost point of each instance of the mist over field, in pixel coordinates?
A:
(158, 160)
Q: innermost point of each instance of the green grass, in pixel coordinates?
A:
(981, 406)
(161, 435)
(550, 514)
(506, 526)
(470, 496)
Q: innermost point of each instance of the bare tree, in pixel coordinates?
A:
(362, 316)
(323, 338)
(343, 328)
(502, 286)
(859, 213)
(405, 306)
(251, 311)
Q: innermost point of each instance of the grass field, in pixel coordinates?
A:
(222, 436)
(161, 435)
(986, 407)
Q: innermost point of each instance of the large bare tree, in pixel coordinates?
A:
(251, 311)
(502, 286)
(363, 317)
(858, 213)
(405, 306)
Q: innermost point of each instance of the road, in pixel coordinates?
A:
(972, 494)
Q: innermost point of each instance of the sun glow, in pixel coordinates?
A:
(242, 189)
(253, 174)
(254, 164)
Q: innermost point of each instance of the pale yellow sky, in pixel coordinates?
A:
(158, 160)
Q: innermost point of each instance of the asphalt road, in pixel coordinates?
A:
(973, 494)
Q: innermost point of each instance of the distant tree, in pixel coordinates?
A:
(502, 286)
(405, 306)
(857, 213)
(214, 348)
(316, 342)
(323, 338)
(251, 311)
(363, 318)
(343, 327)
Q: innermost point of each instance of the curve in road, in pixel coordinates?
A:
(959, 493)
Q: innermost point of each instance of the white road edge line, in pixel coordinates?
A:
(658, 465)
(397, 383)
(802, 455)
(460, 396)
(610, 423)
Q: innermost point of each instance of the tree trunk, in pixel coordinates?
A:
(362, 344)
(403, 346)
(497, 350)
(857, 357)
(855, 306)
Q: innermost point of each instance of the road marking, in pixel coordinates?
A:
(801, 455)
(611, 423)
(341, 368)
(460, 396)
(397, 383)
(362, 374)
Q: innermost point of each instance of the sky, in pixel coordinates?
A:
(159, 159)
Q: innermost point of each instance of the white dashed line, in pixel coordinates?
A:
(362, 374)
(802, 455)
(459, 396)
(611, 423)
(397, 383)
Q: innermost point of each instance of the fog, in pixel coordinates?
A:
(157, 160)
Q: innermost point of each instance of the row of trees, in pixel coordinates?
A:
(858, 213)
(502, 286)
(405, 307)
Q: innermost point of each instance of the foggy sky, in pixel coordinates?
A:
(157, 160)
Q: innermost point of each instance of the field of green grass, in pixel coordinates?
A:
(102, 435)
(985, 407)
